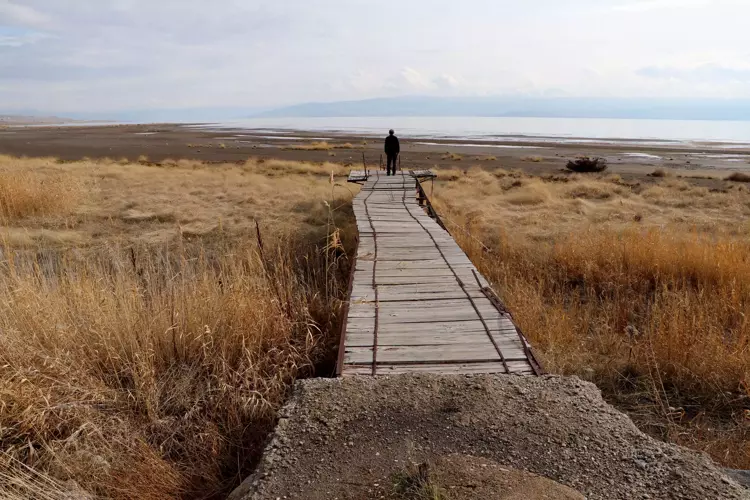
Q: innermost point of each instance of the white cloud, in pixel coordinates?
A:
(706, 73)
(21, 40)
(416, 80)
(128, 54)
(650, 5)
(15, 13)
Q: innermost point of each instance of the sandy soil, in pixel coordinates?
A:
(160, 142)
(348, 438)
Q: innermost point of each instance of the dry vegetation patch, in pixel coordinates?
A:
(452, 156)
(29, 193)
(644, 290)
(322, 146)
(148, 359)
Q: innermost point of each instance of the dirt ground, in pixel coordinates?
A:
(349, 438)
(160, 142)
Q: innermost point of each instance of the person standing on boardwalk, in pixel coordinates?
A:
(392, 150)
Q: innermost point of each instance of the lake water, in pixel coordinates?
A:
(579, 130)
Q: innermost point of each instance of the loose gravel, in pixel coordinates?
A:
(346, 438)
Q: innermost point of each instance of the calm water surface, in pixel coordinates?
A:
(647, 132)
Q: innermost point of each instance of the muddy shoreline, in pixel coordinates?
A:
(159, 142)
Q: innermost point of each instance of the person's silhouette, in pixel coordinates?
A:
(392, 150)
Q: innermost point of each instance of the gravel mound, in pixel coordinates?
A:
(348, 438)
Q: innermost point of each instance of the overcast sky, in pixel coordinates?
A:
(101, 55)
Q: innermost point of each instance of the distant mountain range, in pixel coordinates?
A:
(508, 106)
(557, 107)
(30, 120)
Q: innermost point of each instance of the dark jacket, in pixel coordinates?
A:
(392, 147)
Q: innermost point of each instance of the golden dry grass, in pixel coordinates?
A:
(452, 157)
(533, 159)
(93, 201)
(643, 289)
(158, 363)
(24, 194)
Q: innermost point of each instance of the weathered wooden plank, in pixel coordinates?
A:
(425, 320)
(407, 280)
(520, 367)
(388, 318)
(487, 311)
(366, 325)
(410, 264)
(389, 339)
(420, 297)
(445, 368)
(423, 354)
(353, 370)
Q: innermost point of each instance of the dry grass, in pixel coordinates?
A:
(28, 193)
(158, 364)
(652, 311)
(452, 157)
(533, 159)
(417, 483)
(321, 146)
(153, 203)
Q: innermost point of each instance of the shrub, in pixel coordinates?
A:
(452, 156)
(739, 177)
(587, 164)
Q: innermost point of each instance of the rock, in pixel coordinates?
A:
(741, 476)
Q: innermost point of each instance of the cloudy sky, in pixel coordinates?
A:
(101, 55)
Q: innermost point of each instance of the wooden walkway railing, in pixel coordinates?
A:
(417, 303)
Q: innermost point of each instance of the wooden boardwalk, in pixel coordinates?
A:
(417, 303)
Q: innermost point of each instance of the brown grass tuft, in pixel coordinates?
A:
(452, 157)
(533, 159)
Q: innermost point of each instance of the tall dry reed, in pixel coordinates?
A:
(153, 373)
(653, 314)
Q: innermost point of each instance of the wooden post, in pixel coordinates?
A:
(364, 163)
(381, 161)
